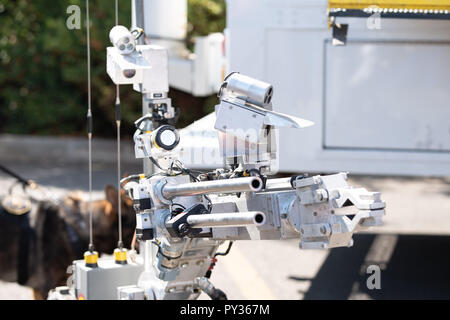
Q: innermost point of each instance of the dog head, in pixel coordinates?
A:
(106, 220)
(61, 235)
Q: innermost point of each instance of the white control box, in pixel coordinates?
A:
(101, 283)
(146, 68)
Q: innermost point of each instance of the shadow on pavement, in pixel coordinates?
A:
(416, 268)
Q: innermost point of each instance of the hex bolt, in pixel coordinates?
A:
(183, 228)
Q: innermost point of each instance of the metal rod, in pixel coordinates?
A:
(117, 11)
(138, 12)
(118, 119)
(278, 184)
(89, 118)
(232, 219)
(253, 184)
(119, 193)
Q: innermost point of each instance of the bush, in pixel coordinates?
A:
(43, 77)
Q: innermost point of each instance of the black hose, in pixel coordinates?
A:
(15, 175)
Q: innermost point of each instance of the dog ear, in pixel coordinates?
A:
(111, 195)
(126, 200)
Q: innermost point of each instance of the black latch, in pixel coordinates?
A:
(178, 225)
(339, 34)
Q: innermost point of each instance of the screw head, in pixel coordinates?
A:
(183, 229)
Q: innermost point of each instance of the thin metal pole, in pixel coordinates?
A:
(118, 117)
(89, 118)
(119, 196)
(117, 12)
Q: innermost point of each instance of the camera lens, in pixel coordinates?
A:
(129, 73)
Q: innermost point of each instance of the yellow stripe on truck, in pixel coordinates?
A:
(391, 4)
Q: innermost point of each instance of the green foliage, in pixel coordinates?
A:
(43, 65)
(205, 17)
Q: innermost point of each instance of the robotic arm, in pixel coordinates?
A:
(182, 216)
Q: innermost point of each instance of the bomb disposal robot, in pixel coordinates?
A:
(183, 216)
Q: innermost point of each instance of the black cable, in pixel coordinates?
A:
(14, 175)
(161, 253)
(177, 211)
(153, 160)
(213, 263)
(226, 252)
(180, 205)
(189, 172)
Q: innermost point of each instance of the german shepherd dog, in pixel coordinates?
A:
(37, 248)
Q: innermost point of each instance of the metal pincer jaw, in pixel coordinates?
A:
(331, 211)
